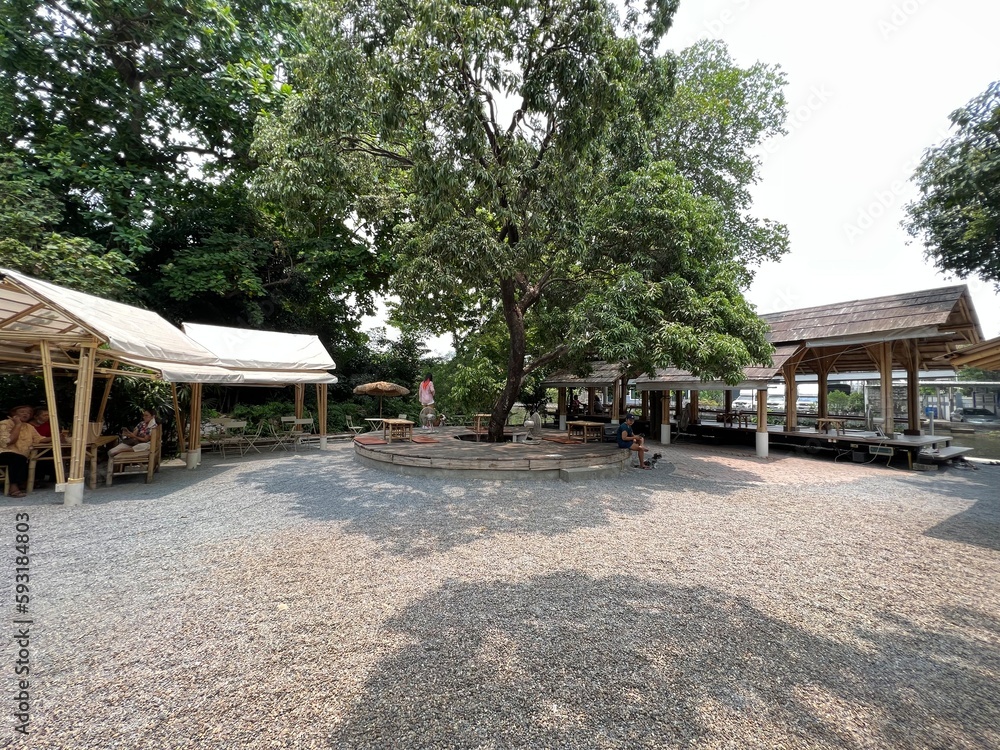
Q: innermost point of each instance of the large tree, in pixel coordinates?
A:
(502, 150)
(135, 119)
(957, 215)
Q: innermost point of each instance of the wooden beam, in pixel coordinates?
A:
(300, 400)
(21, 315)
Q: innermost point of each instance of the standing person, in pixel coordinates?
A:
(139, 439)
(426, 396)
(17, 438)
(631, 441)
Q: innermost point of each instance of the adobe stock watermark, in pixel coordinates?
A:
(727, 17)
(899, 16)
(798, 118)
(885, 199)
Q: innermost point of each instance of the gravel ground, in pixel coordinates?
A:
(717, 602)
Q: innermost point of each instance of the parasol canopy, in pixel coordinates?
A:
(381, 389)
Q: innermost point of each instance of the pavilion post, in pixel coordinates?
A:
(181, 442)
(679, 405)
(695, 415)
(81, 418)
(881, 354)
(913, 386)
(321, 394)
(590, 400)
(665, 417)
(727, 400)
(762, 435)
(50, 398)
(562, 408)
(791, 396)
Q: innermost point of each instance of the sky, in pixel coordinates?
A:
(870, 86)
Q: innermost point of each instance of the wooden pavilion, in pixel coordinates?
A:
(913, 331)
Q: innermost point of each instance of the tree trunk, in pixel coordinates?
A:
(515, 361)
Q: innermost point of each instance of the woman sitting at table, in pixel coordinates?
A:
(137, 440)
(17, 438)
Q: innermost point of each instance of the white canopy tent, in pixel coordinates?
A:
(45, 327)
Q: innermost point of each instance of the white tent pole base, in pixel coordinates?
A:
(665, 433)
(191, 459)
(562, 422)
(74, 493)
(762, 444)
(322, 441)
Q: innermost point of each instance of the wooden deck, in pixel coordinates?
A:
(441, 452)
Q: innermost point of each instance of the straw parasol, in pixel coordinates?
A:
(381, 389)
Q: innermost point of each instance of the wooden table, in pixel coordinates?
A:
(398, 428)
(736, 418)
(835, 422)
(585, 428)
(90, 454)
(477, 424)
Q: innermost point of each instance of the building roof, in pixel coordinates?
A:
(601, 374)
(674, 378)
(984, 355)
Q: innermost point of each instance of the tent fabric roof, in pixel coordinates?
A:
(32, 311)
(242, 348)
(51, 311)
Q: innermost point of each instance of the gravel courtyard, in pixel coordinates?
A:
(721, 601)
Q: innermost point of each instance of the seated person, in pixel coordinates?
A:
(575, 407)
(43, 427)
(628, 439)
(598, 406)
(17, 438)
(137, 440)
(41, 422)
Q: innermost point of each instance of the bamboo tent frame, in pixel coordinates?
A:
(46, 328)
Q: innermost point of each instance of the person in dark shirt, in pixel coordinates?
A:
(627, 439)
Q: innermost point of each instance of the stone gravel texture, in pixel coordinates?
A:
(721, 601)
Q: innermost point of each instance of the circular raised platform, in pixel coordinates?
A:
(441, 453)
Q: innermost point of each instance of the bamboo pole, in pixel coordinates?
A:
(50, 398)
(81, 418)
(181, 442)
(104, 398)
(300, 399)
(322, 391)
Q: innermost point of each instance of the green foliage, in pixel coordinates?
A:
(974, 373)
(399, 119)
(711, 129)
(29, 214)
(839, 402)
(254, 414)
(958, 213)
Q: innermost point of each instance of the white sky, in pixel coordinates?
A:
(870, 86)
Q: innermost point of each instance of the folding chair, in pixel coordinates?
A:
(250, 440)
(355, 428)
(282, 435)
(232, 437)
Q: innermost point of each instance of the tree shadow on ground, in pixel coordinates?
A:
(569, 661)
(426, 515)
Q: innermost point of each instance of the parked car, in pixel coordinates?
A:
(743, 402)
(975, 416)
